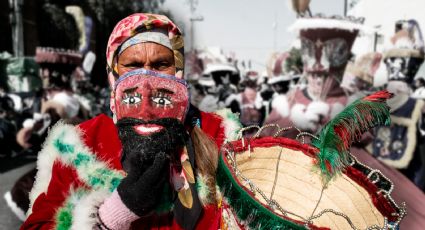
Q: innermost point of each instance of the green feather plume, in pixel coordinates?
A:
(337, 135)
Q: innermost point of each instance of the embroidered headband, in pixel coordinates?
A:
(157, 36)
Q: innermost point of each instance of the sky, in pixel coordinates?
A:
(251, 29)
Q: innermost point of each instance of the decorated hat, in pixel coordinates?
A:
(361, 71)
(44, 55)
(326, 42)
(276, 68)
(406, 53)
(284, 67)
(281, 183)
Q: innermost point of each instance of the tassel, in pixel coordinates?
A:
(337, 135)
(185, 195)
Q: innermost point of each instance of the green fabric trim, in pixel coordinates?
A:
(234, 118)
(203, 190)
(247, 208)
(92, 171)
(64, 214)
(229, 117)
(96, 174)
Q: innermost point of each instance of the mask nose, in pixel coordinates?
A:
(146, 110)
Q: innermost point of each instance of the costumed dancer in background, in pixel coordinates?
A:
(403, 131)
(208, 90)
(325, 49)
(285, 73)
(219, 81)
(359, 74)
(250, 114)
(264, 96)
(419, 87)
(58, 102)
(402, 145)
(153, 165)
(57, 58)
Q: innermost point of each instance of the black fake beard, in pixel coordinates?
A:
(168, 140)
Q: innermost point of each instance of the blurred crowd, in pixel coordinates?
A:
(60, 92)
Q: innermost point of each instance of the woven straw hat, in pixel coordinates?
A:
(275, 178)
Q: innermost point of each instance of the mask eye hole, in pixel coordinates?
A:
(161, 99)
(132, 99)
(337, 51)
(307, 50)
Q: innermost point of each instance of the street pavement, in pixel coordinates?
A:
(8, 220)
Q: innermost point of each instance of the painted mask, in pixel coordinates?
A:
(148, 95)
(402, 68)
(326, 51)
(406, 54)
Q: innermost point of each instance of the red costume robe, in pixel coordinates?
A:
(80, 166)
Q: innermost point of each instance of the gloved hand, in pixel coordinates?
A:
(141, 190)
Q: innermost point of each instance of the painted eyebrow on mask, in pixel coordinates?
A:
(130, 90)
(163, 90)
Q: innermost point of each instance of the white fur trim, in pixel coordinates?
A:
(336, 109)
(15, 209)
(46, 158)
(298, 117)
(327, 23)
(84, 215)
(276, 79)
(70, 135)
(308, 117)
(317, 108)
(203, 190)
(281, 105)
(230, 124)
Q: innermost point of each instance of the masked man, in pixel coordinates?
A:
(359, 74)
(154, 165)
(401, 145)
(396, 150)
(325, 50)
(285, 72)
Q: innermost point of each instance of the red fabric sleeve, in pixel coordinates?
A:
(212, 125)
(101, 135)
(46, 204)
